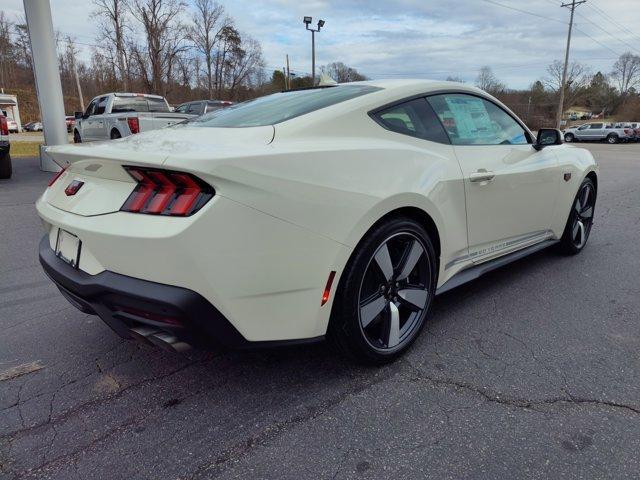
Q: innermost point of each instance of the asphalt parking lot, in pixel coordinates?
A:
(530, 372)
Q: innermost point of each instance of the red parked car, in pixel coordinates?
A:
(70, 120)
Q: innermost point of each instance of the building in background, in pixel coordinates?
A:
(9, 106)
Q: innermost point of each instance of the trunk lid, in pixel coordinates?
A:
(106, 185)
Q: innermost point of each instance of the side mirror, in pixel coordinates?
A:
(547, 137)
(78, 115)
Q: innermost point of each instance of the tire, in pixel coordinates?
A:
(580, 221)
(612, 138)
(385, 293)
(5, 166)
(115, 134)
(76, 137)
(569, 137)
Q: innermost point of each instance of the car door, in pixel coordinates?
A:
(87, 122)
(582, 132)
(596, 131)
(510, 187)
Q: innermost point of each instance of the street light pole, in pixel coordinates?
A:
(563, 85)
(307, 21)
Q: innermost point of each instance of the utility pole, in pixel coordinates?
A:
(75, 74)
(307, 21)
(288, 77)
(563, 86)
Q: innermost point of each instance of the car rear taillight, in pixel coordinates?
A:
(134, 124)
(56, 177)
(163, 192)
(4, 126)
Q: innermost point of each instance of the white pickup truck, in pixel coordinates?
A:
(117, 115)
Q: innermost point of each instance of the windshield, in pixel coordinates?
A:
(279, 107)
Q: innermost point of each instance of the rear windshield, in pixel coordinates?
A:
(279, 107)
(138, 104)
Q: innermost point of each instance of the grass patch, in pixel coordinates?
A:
(25, 149)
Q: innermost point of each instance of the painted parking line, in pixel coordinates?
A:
(20, 370)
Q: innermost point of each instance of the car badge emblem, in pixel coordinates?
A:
(73, 187)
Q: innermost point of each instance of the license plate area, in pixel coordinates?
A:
(68, 248)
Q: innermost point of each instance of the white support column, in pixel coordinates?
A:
(48, 85)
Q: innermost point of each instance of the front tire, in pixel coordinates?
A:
(6, 169)
(76, 137)
(576, 232)
(385, 292)
(569, 137)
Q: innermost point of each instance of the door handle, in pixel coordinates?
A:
(482, 176)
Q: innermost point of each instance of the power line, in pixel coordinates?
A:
(524, 11)
(613, 21)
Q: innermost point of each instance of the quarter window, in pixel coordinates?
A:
(471, 120)
(101, 106)
(414, 118)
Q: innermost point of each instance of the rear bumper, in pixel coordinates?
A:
(125, 302)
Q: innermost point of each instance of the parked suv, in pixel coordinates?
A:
(200, 107)
(5, 146)
(599, 131)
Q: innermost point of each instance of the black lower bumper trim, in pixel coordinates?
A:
(125, 302)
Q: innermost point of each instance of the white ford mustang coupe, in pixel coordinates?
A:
(332, 212)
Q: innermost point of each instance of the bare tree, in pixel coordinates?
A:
(113, 22)
(164, 40)
(245, 63)
(342, 73)
(229, 45)
(208, 22)
(488, 82)
(626, 72)
(23, 45)
(578, 78)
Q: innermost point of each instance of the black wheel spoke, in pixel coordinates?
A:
(370, 310)
(414, 298)
(410, 259)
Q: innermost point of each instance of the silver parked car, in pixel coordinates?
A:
(612, 133)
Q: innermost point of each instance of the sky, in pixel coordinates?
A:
(414, 38)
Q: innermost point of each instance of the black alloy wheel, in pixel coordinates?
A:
(386, 292)
(580, 221)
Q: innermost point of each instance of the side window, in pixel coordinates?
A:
(194, 108)
(157, 105)
(91, 108)
(181, 109)
(596, 126)
(414, 118)
(583, 127)
(211, 106)
(129, 104)
(101, 106)
(471, 120)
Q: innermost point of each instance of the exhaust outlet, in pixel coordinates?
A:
(168, 342)
(141, 334)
